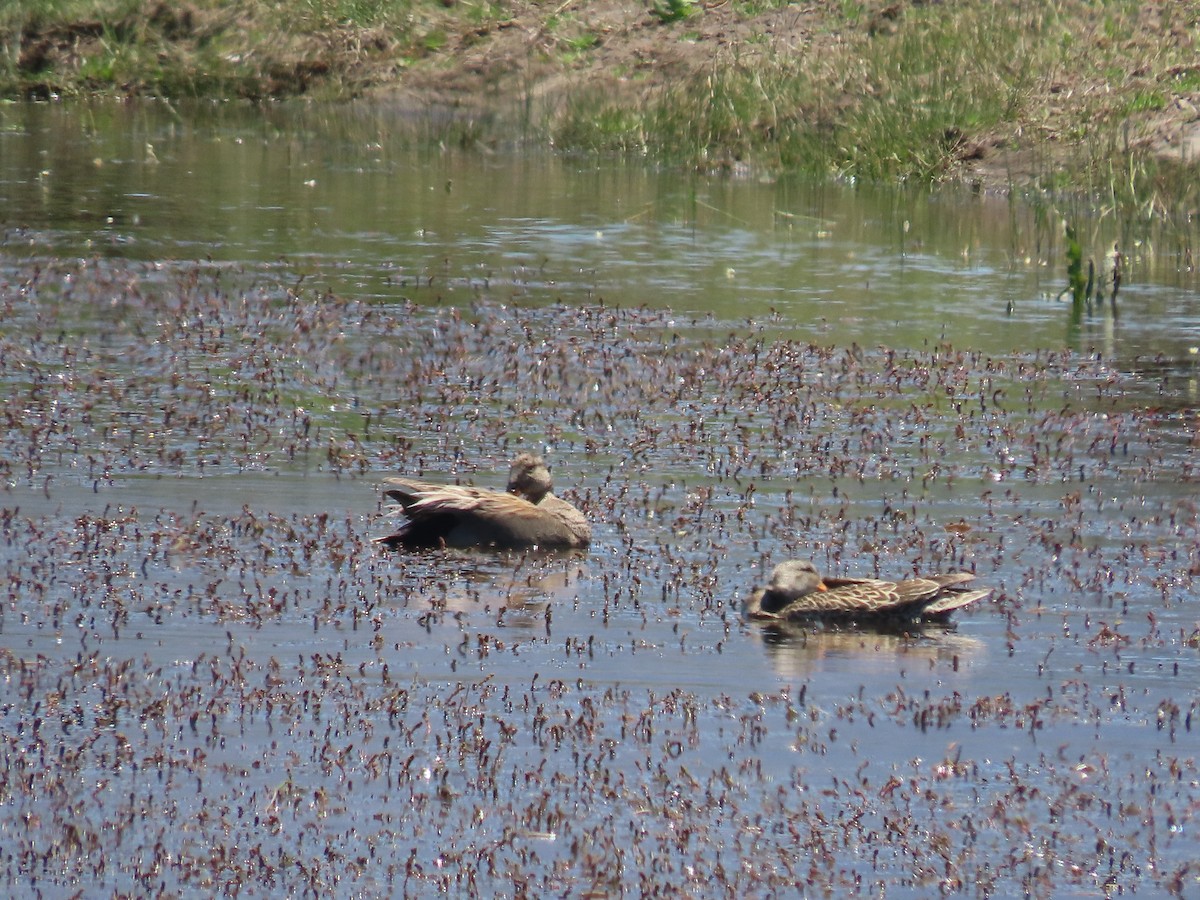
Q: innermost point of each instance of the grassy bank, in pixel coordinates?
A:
(1072, 94)
(1066, 94)
(208, 48)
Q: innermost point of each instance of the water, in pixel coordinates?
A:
(221, 326)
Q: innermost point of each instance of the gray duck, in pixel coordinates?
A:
(525, 514)
(798, 593)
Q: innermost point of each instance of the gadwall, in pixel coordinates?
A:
(527, 514)
(796, 592)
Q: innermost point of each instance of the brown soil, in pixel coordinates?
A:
(634, 52)
(520, 61)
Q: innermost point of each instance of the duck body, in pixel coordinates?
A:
(526, 514)
(798, 593)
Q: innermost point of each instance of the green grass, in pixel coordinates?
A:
(575, 49)
(320, 15)
(1187, 81)
(911, 102)
(891, 107)
(667, 11)
(1147, 100)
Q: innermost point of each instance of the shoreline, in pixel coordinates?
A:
(1064, 96)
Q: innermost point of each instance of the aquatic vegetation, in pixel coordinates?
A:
(1075, 283)
(219, 683)
(1087, 293)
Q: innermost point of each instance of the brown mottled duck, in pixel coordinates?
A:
(797, 593)
(526, 514)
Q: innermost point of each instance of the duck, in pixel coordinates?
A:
(526, 514)
(798, 593)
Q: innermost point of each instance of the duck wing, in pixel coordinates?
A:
(931, 596)
(454, 516)
(410, 491)
(954, 595)
(849, 597)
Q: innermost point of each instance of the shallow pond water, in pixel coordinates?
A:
(221, 326)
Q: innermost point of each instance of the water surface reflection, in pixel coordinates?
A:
(351, 204)
(220, 683)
